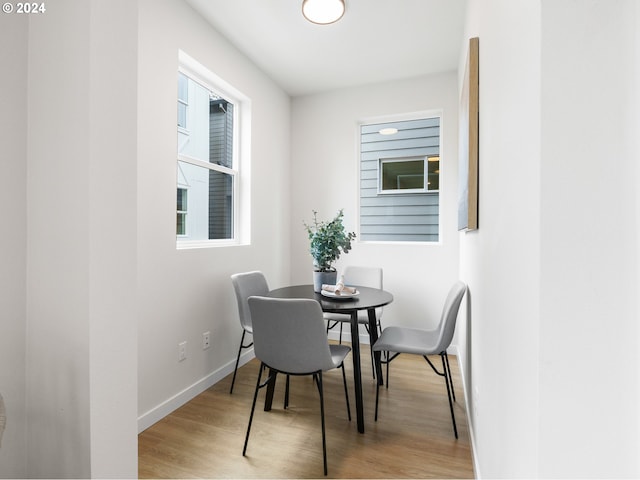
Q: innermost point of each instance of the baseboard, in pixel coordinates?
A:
(157, 413)
(453, 350)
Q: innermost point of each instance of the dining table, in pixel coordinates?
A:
(365, 298)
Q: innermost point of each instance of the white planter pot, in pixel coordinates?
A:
(320, 278)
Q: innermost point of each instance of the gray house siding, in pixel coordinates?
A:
(412, 217)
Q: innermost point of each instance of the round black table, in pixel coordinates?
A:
(367, 299)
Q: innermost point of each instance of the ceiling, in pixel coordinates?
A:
(375, 41)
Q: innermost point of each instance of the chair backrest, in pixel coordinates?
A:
(449, 316)
(363, 276)
(246, 285)
(289, 334)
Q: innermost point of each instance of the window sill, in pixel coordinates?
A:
(194, 244)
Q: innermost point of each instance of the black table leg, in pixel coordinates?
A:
(373, 337)
(357, 374)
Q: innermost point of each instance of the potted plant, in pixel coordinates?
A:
(328, 240)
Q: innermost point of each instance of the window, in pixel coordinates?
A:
(181, 217)
(400, 180)
(408, 175)
(208, 174)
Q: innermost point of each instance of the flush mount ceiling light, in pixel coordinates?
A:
(388, 131)
(323, 12)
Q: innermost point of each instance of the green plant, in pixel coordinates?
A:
(328, 241)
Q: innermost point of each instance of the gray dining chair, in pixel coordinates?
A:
(245, 285)
(290, 338)
(363, 277)
(397, 340)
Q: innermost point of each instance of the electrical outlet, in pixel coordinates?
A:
(182, 351)
(206, 340)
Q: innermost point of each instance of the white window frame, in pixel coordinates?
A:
(240, 162)
(404, 191)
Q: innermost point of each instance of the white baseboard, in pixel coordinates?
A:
(453, 350)
(165, 408)
(157, 413)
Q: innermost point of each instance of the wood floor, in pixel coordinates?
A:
(413, 437)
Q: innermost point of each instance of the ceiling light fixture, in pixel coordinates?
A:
(388, 131)
(323, 12)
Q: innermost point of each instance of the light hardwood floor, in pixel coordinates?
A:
(413, 437)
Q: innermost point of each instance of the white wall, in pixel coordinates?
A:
(183, 293)
(112, 235)
(500, 261)
(552, 270)
(13, 230)
(589, 240)
(80, 342)
(324, 153)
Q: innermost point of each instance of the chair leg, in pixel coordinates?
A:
(253, 409)
(318, 378)
(450, 376)
(388, 361)
(235, 370)
(373, 365)
(384, 354)
(377, 396)
(329, 326)
(286, 393)
(446, 381)
(346, 391)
